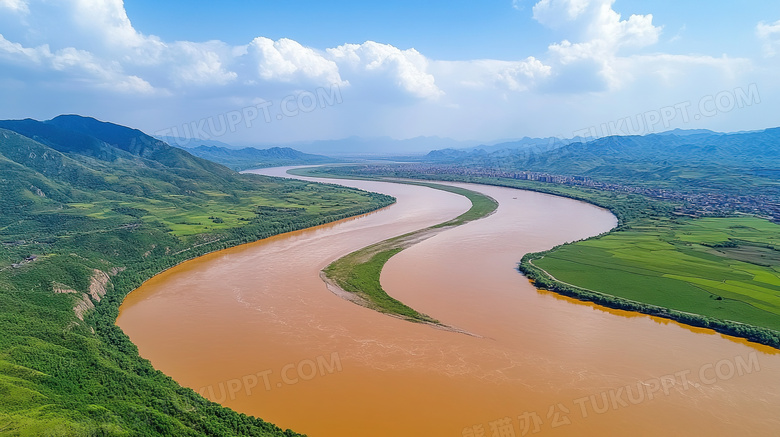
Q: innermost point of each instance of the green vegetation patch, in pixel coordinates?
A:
(724, 268)
(359, 271)
(362, 278)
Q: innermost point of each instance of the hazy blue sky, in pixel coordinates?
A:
(265, 71)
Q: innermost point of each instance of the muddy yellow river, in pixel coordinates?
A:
(254, 328)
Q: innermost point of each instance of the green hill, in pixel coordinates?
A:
(250, 157)
(83, 199)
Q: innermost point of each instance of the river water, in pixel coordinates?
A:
(254, 328)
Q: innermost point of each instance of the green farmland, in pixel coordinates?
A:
(726, 268)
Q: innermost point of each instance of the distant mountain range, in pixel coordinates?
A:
(190, 143)
(385, 147)
(505, 148)
(312, 152)
(728, 150)
(110, 142)
(416, 148)
(700, 157)
(380, 146)
(686, 132)
(676, 158)
(537, 146)
(347, 147)
(250, 157)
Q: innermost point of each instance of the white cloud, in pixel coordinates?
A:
(405, 68)
(16, 53)
(602, 36)
(18, 6)
(555, 13)
(101, 31)
(107, 20)
(286, 60)
(769, 34)
(200, 63)
(519, 76)
(55, 50)
(106, 23)
(78, 64)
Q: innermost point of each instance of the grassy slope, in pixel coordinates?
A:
(654, 261)
(63, 376)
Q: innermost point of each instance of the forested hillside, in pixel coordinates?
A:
(89, 211)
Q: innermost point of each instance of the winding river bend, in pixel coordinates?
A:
(254, 328)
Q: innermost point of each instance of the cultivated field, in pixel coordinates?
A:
(719, 267)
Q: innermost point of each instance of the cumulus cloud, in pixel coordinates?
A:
(405, 68)
(91, 48)
(108, 21)
(601, 33)
(99, 33)
(102, 31)
(519, 76)
(597, 24)
(200, 63)
(769, 34)
(16, 53)
(603, 52)
(76, 64)
(286, 60)
(106, 25)
(556, 13)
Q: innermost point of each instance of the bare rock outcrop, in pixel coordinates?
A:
(84, 304)
(98, 283)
